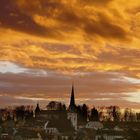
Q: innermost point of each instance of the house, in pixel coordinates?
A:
(110, 135)
(5, 136)
(27, 134)
(60, 128)
(50, 128)
(117, 128)
(94, 125)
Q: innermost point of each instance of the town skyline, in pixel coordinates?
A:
(72, 122)
(70, 105)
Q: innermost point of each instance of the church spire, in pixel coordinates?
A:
(37, 110)
(72, 100)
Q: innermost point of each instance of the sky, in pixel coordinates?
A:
(46, 45)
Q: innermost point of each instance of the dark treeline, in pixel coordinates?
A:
(111, 113)
(84, 113)
(110, 117)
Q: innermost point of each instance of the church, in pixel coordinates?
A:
(58, 121)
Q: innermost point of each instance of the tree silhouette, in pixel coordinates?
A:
(84, 112)
(79, 113)
(94, 114)
(138, 116)
(129, 115)
(126, 114)
(116, 113)
(20, 112)
(54, 105)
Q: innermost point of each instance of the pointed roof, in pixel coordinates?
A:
(37, 110)
(72, 100)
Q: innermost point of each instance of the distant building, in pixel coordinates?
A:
(26, 134)
(59, 128)
(94, 125)
(110, 135)
(5, 136)
(73, 118)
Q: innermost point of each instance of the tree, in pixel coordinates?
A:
(132, 116)
(129, 115)
(94, 114)
(84, 112)
(126, 114)
(53, 105)
(138, 116)
(61, 106)
(79, 113)
(20, 112)
(116, 113)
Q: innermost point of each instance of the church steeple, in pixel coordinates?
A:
(72, 100)
(37, 110)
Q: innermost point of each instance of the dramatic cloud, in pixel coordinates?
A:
(62, 19)
(71, 38)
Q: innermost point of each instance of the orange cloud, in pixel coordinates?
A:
(72, 36)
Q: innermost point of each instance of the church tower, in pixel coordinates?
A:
(72, 115)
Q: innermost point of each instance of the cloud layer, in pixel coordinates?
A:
(72, 38)
(98, 88)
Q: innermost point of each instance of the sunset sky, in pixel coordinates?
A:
(46, 45)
